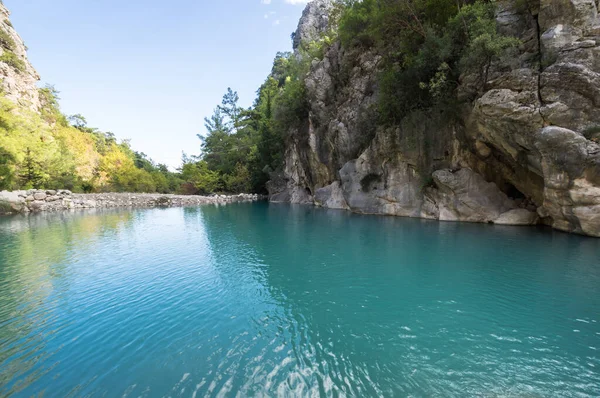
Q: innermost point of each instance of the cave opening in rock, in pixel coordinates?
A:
(308, 191)
(512, 192)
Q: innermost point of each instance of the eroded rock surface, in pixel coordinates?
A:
(465, 196)
(525, 152)
(19, 84)
(314, 21)
(517, 217)
(331, 197)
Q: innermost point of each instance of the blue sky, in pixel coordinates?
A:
(151, 70)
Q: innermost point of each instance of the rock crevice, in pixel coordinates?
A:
(523, 152)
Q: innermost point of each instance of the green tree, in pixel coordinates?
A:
(426, 45)
(217, 145)
(477, 24)
(7, 162)
(31, 176)
(78, 121)
(238, 181)
(199, 178)
(230, 109)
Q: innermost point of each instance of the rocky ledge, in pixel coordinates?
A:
(50, 200)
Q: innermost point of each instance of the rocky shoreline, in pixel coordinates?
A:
(35, 200)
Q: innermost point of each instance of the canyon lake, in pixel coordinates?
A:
(261, 299)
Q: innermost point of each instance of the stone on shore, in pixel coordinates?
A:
(56, 200)
(40, 195)
(518, 217)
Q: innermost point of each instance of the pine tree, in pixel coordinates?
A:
(31, 176)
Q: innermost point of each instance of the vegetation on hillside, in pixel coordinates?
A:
(243, 146)
(426, 48)
(427, 45)
(47, 151)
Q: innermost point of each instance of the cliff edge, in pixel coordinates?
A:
(18, 78)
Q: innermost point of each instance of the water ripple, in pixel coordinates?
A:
(259, 300)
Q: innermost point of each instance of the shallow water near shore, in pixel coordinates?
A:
(260, 299)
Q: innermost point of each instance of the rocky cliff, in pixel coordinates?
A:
(524, 151)
(18, 78)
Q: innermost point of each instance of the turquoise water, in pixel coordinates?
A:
(276, 300)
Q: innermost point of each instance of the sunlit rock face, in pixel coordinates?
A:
(525, 150)
(19, 84)
(314, 21)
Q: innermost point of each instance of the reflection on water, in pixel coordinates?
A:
(258, 299)
(33, 251)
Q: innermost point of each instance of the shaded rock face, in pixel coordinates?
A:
(20, 86)
(465, 196)
(524, 151)
(537, 118)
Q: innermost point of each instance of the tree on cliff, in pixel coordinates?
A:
(78, 121)
(426, 46)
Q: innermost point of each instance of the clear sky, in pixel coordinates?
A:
(151, 70)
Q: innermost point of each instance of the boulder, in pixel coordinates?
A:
(464, 195)
(11, 197)
(331, 197)
(517, 217)
(39, 196)
(38, 205)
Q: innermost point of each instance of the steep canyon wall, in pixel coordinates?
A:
(524, 151)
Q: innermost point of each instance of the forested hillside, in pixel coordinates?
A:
(244, 147)
(49, 150)
(44, 149)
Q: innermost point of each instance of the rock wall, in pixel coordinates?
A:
(50, 200)
(525, 151)
(18, 84)
(315, 20)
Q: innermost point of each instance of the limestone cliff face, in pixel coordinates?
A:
(314, 21)
(19, 83)
(524, 151)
